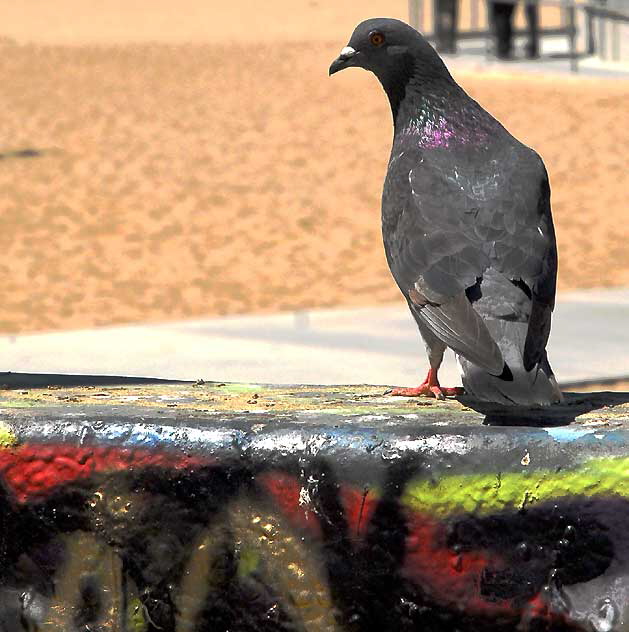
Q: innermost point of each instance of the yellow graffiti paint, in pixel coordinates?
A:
(7, 438)
(269, 548)
(86, 556)
(485, 493)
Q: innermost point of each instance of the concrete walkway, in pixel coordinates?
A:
(379, 345)
(554, 61)
(557, 65)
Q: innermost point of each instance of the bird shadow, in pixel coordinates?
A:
(574, 405)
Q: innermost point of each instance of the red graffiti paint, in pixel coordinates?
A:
(444, 574)
(34, 470)
(448, 577)
(285, 491)
(359, 507)
(291, 498)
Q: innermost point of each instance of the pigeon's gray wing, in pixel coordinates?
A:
(446, 226)
(543, 285)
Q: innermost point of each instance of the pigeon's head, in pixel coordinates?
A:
(395, 52)
(381, 45)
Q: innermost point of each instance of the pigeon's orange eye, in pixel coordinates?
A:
(376, 38)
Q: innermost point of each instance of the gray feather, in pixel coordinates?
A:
(460, 327)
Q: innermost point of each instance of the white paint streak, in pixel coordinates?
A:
(315, 443)
(436, 443)
(304, 497)
(373, 418)
(292, 442)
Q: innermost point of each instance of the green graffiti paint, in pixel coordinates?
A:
(7, 438)
(238, 388)
(18, 403)
(248, 562)
(136, 621)
(486, 493)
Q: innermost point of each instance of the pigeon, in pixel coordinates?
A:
(466, 224)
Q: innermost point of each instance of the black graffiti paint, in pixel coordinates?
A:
(147, 523)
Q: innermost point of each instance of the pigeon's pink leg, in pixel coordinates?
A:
(430, 387)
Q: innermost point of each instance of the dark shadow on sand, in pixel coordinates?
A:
(22, 153)
(44, 380)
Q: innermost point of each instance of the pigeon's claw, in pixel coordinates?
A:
(410, 392)
(423, 390)
(430, 387)
(437, 392)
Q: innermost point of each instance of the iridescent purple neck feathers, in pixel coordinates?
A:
(430, 133)
(424, 125)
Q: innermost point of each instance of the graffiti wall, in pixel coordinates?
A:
(239, 507)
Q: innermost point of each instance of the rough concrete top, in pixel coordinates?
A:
(219, 402)
(271, 422)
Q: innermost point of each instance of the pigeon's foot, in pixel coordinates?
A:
(430, 387)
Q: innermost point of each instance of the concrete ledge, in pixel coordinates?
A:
(180, 506)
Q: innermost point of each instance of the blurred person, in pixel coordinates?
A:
(502, 22)
(445, 25)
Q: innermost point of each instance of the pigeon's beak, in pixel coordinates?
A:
(344, 60)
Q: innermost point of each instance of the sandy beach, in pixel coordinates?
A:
(148, 178)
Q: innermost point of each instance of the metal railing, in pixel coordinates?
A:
(604, 21)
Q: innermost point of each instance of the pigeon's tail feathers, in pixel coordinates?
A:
(456, 323)
(534, 387)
